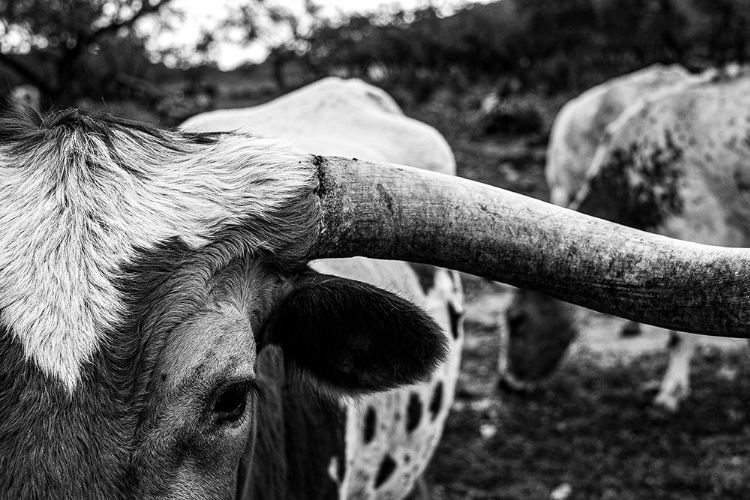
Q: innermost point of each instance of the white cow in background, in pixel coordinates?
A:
(649, 125)
(343, 117)
(679, 165)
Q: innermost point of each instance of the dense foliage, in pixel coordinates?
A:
(549, 46)
(87, 48)
(69, 49)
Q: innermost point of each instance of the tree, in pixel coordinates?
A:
(61, 46)
(420, 50)
(284, 33)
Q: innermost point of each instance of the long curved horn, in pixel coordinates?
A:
(395, 212)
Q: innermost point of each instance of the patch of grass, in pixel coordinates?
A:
(592, 427)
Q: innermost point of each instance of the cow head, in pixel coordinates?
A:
(136, 293)
(539, 330)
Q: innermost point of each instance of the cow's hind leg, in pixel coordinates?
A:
(675, 386)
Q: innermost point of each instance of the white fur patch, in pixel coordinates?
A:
(70, 217)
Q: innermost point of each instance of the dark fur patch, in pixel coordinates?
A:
(437, 400)
(425, 274)
(741, 180)
(674, 340)
(413, 412)
(651, 200)
(455, 318)
(371, 421)
(340, 468)
(631, 329)
(162, 287)
(385, 471)
(54, 445)
(353, 336)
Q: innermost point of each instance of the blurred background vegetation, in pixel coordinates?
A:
(76, 52)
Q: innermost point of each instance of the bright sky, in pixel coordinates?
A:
(203, 15)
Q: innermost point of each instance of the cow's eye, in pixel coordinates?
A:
(228, 406)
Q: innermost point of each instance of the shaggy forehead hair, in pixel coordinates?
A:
(81, 195)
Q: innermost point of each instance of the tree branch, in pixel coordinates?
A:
(146, 8)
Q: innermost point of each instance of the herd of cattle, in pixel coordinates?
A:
(205, 313)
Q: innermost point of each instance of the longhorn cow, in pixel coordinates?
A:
(156, 300)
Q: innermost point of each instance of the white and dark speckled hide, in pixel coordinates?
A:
(390, 437)
(582, 123)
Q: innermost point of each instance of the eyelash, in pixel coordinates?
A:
(229, 401)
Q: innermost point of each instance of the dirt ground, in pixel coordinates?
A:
(590, 432)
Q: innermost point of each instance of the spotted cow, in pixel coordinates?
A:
(655, 170)
(163, 336)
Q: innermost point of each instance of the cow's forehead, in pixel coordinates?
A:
(82, 196)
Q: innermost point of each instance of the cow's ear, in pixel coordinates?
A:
(349, 336)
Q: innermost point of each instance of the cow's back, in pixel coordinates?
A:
(342, 118)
